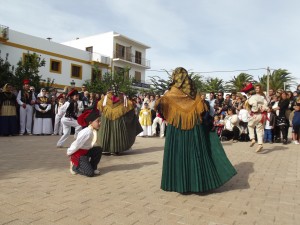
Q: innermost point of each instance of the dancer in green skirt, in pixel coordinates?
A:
(194, 159)
(119, 124)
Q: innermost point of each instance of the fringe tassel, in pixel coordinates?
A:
(114, 111)
(180, 110)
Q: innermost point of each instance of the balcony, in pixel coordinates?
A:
(140, 84)
(133, 59)
(4, 33)
(100, 58)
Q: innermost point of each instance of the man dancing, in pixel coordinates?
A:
(68, 113)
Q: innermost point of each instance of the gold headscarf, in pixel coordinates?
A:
(181, 106)
(182, 81)
(5, 89)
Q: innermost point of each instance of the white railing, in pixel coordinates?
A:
(100, 58)
(132, 58)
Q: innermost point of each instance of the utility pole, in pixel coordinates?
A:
(268, 79)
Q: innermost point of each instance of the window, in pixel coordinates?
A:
(76, 71)
(55, 66)
(120, 51)
(138, 76)
(122, 71)
(138, 57)
(89, 49)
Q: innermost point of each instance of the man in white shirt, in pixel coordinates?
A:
(85, 152)
(69, 113)
(26, 99)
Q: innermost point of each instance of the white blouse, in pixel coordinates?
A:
(86, 139)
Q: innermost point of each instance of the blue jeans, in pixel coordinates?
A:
(268, 135)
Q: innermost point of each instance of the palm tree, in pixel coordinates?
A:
(278, 80)
(237, 82)
(214, 85)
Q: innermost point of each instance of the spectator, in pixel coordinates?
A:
(295, 123)
(269, 125)
(243, 118)
(219, 103)
(231, 129)
(281, 120)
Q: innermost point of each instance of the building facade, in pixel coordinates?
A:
(125, 53)
(75, 60)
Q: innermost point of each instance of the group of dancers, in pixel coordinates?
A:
(194, 159)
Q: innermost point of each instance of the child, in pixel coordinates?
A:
(295, 121)
(146, 120)
(85, 152)
(218, 125)
(58, 128)
(244, 117)
(158, 120)
(269, 125)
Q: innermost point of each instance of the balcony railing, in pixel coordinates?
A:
(4, 32)
(100, 58)
(140, 84)
(132, 58)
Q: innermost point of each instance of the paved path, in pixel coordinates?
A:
(36, 187)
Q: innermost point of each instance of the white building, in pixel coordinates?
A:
(74, 60)
(124, 52)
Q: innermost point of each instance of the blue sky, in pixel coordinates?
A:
(200, 35)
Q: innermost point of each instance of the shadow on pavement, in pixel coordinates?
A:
(141, 151)
(238, 182)
(275, 148)
(120, 167)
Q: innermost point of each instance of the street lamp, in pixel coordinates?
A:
(72, 84)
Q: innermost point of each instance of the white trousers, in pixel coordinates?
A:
(255, 121)
(162, 125)
(58, 127)
(67, 124)
(26, 119)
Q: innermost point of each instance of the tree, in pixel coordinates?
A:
(104, 83)
(278, 80)
(6, 71)
(28, 68)
(213, 85)
(237, 82)
(161, 85)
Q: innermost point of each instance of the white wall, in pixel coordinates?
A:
(16, 54)
(102, 43)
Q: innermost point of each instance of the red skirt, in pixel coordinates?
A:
(76, 156)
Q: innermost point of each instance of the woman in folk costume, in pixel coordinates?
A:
(8, 113)
(119, 124)
(194, 159)
(146, 121)
(43, 117)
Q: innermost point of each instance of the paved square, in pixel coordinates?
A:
(37, 188)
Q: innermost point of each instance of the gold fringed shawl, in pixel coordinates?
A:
(113, 111)
(181, 110)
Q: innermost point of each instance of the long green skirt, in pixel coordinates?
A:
(194, 161)
(119, 135)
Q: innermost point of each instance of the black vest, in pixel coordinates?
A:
(72, 110)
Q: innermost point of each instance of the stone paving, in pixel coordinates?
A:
(37, 188)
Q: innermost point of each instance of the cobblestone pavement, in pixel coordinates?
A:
(37, 188)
